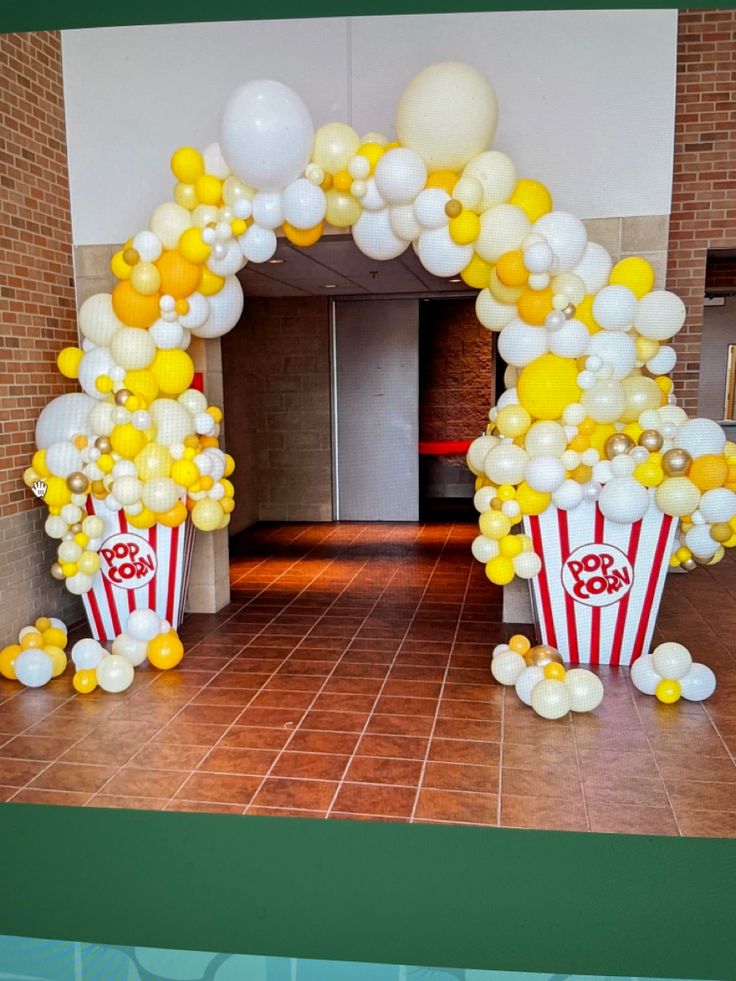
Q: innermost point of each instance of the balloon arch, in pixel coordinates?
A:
(588, 414)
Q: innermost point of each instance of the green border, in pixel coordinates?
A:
(486, 898)
(353, 891)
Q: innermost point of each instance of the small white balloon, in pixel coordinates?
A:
(643, 676)
(615, 307)
(671, 660)
(527, 682)
(484, 549)
(143, 625)
(698, 684)
(135, 651)
(87, 654)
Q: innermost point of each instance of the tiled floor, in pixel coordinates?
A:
(349, 677)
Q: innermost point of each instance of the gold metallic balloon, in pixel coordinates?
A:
(569, 311)
(496, 504)
(651, 440)
(617, 444)
(122, 395)
(453, 208)
(689, 565)
(77, 483)
(131, 257)
(76, 528)
(676, 463)
(57, 572)
(103, 444)
(541, 655)
(721, 531)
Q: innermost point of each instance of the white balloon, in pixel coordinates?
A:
(225, 308)
(166, 334)
(700, 543)
(148, 246)
(64, 417)
(429, 208)
(585, 690)
(507, 666)
(268, 211)
(509, 397)
(304, 204)
(404, 223)
(566, 236)
(527, 682)
(672, 661)
(484, 549)
(232, 262)
(594, 268)
(616, 349)
(135, 651)
(539, 257)
(527, 565)
(447, 114)
(169, 222)
(132, 348)
(718, 505)
(97, 319)
(469, 192)
(495, 173)
(506, 464)
(373, 235)
(258, 245)
(33, 667)
(63, 459)
(371, 200)
(615, 307)
(663, 361)
(477, 452)
(699, 683)
(568, 495)
(266, 135)
(643, 675)
(551, 699)
(55, 526)
(214, 162)
(502, 229)
(544, 473)
(440, 256)
(115, 673)
(660, 315)
(143, 625)
(519, 343)
(545, 439)
(400, 176)
(199, 309)
(482, 499)
(623, 500)
(571, 340)
(171, 420)
(87, 654)
(700, 437)
(491, 313)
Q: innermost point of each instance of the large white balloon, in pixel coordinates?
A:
(551, 699)
(373, 235)
(545, 473)
(660, 315)
(507, 666)
(671, 660)
(506, 464)
(491, 313)
(663, 361)
(258, 244)
(447, 114)
(400, 175)
(623, 500)
(718, 505)
(63, 459)
(136, 651)
(585, 690)
(87, 654)
(143, 625)
(199, 309)
(33, 667)
(478, 451)
(567, 238)
(266, 134)
(614, 308)
(440, 256)
(700, 543)
(225, 309)
(171, 421)
(700, 437)
(519, 343)
(572, 340)
(429, 208)
(115, 673)
(545, 439)
(595, 267)
(64, 417)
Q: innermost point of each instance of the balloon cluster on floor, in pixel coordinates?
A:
(146, 637)
(541, 680)
(39, 655)
(670, 673)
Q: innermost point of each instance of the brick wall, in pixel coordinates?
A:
(455, 371)
(704, 188)
(276, 366)
(37, 310)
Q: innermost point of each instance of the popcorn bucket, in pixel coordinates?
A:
(597, 596)
(140, 569)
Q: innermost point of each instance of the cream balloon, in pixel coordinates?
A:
(660, 315)
(484, 549)
(502, 229)
(171, 421)
(551, 699)
(677, 496)
(115, 673)
(168, 222)
(545, 439)
(584, 689)
(594, 268)
(671, 660)
(132, 348)
(477, 452)
(496, 175)
(641, 394)
(135, 651)
(400, 175)
(334, 145)
(506, 464)
(160, 494)
(643, 676)
(604, 401)
(447, 114)
(97, 319)
(492, 314)
(507, 666)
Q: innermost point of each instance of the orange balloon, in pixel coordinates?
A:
(134, 309)
(708, 472)
(303, 237)
(534, 305)
(511, 270)
(176, 516)
(179, 277)
(165, 651)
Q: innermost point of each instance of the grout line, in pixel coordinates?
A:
(654, 756)
(580, 771)
(442, 691)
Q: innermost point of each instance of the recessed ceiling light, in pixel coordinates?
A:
(276, 262)
(457, 279)
(330, 286)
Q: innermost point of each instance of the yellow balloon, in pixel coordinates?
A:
(600, 434)
(142, 384)
(584, 313)
(531, 501)
(146, 519)
(210, 283)
(501, 292)
(500, 570)
(668, 691)
(372, 153)
(38, 463)
(7, 660)
(187, 165)
(58, 660)
(184, 473)
(154, 460)
(42, 623)
(494, 524)
(186, 196)
(127, 440)
(511, 546)
(547, 385)
(208, 189)
(119, 267)
(165, 651)
(334, 145)
(173, 371)
(193, 247)
(477, 274)
(85, 681)
(513, 421)
(89, 563)
(532, 197)
(207, 514)
(445, 180)
(646, 348)
(342, 209)
(465, 228)
(68, 361)
(145, 278)
(54, 637)
(57, 493)
(634, 272)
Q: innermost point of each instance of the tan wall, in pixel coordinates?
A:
(277, 400)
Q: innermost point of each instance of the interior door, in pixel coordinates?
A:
(375, 403)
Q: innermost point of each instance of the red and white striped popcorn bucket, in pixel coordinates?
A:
(597, 596)
(139, 569)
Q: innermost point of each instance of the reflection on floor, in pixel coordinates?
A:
(349, 678)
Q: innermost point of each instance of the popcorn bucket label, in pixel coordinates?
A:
(597, 575)
(128, 561)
